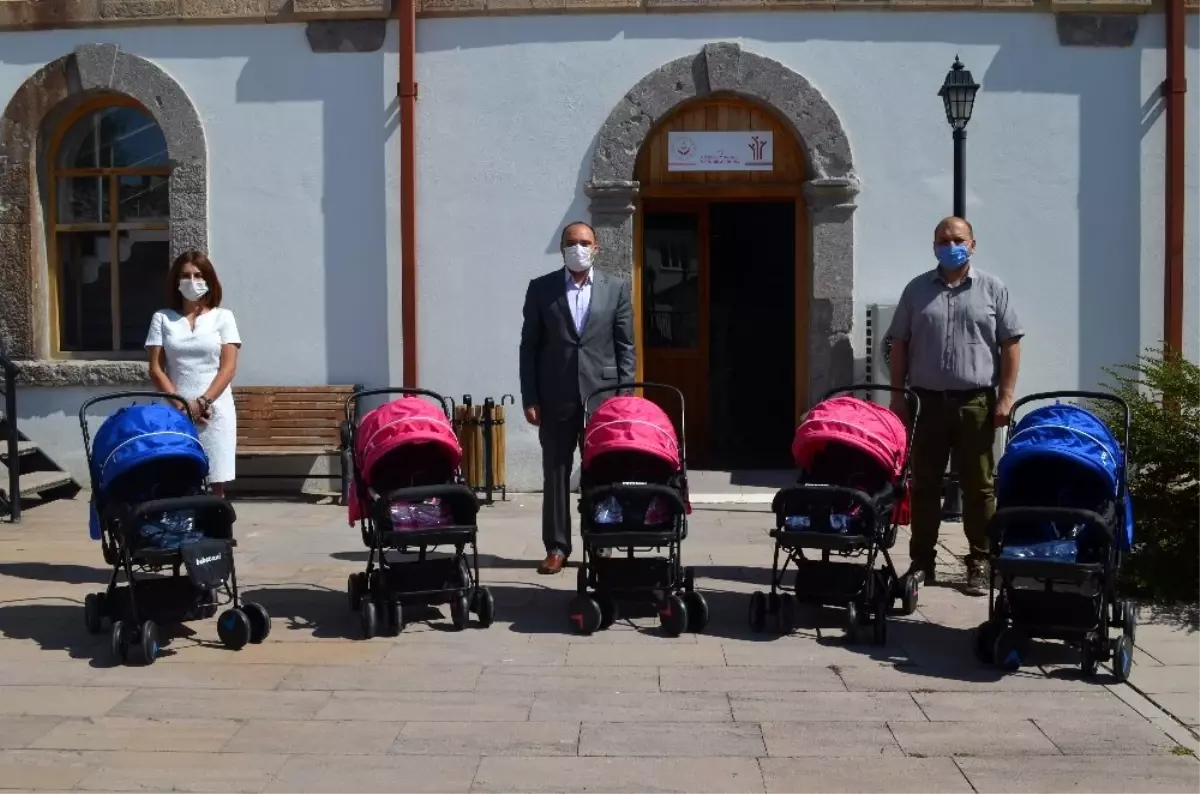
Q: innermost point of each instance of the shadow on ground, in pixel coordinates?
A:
(67, 573)
(60, 627)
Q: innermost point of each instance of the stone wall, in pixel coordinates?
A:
(48, 14)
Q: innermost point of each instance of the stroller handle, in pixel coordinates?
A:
(1099, 396)
(123, 395)
(645, 384)
(353, 399)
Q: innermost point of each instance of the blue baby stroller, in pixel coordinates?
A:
(1062, 525)
(151, 511)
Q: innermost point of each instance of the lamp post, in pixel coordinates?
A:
(958, 97)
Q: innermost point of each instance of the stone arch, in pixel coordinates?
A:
(724, 68)
(90, 70)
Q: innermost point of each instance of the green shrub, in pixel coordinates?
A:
(1163, 392)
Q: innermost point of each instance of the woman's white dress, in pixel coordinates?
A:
(193, 357)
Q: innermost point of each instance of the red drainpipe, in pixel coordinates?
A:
(408, 187)
(1174, 89)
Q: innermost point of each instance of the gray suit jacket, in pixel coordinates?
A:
(559, 368)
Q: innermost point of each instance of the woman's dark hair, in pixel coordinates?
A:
(212, 298)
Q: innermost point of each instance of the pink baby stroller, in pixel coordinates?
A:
(407, 497)
(850, 497)
(633, 498)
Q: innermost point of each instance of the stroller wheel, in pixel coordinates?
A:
(368, 617)
(484, 607)
(908, 594)
(785, 618)
(697, 609)
(393, 618)
(233, 628)
(984, 641)
(673, 616)
(356, 585)
(460, 611)
(118, 644)
(689, 580)
(93, 612)
(772, 603)
(608, 610)
(585, 614)
(1007, 650)
(853, 623)
(147, 647)
(260, 621)
(1122, 661)
(758, 611)
(1129, 619)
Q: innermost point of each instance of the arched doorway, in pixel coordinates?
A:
(723, 70)
(719, 277)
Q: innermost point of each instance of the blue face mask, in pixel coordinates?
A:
(952, 256)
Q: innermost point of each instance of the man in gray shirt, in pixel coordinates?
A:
(956, 343)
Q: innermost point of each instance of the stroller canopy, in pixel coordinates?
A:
(852, 422)
(141, 434)
(405, 440)
(1054, 437)
(630, 425)
(414, 425)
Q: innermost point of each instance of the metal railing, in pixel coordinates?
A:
(11, 371)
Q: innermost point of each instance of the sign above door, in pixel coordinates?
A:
(743, 150)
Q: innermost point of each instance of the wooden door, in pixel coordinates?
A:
(674, 313)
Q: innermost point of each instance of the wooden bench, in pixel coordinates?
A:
(298, 430)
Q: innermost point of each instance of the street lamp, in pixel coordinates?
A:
(958, 95)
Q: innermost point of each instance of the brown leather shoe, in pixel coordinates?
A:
(553, 563)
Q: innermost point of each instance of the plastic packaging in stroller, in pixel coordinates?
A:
(408, 516)
(609, 512)
(169, 530)
(839, 523)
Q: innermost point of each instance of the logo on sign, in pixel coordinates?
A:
(686, 148)
(757, 147)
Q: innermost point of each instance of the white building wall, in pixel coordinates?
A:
(303, 217)
(1064, 172)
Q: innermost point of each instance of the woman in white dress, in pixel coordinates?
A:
(193, 348)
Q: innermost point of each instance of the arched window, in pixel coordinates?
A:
(109, 225)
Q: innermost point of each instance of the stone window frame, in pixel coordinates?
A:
(30, 118)
(724, 68)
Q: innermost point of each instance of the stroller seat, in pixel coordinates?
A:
(1062, 524)
(633, 499)
(852, 458)
(150, 511)
(408, 497)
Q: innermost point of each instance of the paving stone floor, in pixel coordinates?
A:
(527, 706)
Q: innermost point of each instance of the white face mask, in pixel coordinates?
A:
(578, 258)
(193, 289)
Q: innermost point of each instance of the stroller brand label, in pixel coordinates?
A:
(206, 560)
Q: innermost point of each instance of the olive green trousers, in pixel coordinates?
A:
(962, 423)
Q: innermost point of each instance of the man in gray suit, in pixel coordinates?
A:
(577, 336)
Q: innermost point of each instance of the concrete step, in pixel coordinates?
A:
(23, 448)
(36, 483)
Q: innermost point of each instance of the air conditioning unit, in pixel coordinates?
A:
(879, 319)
